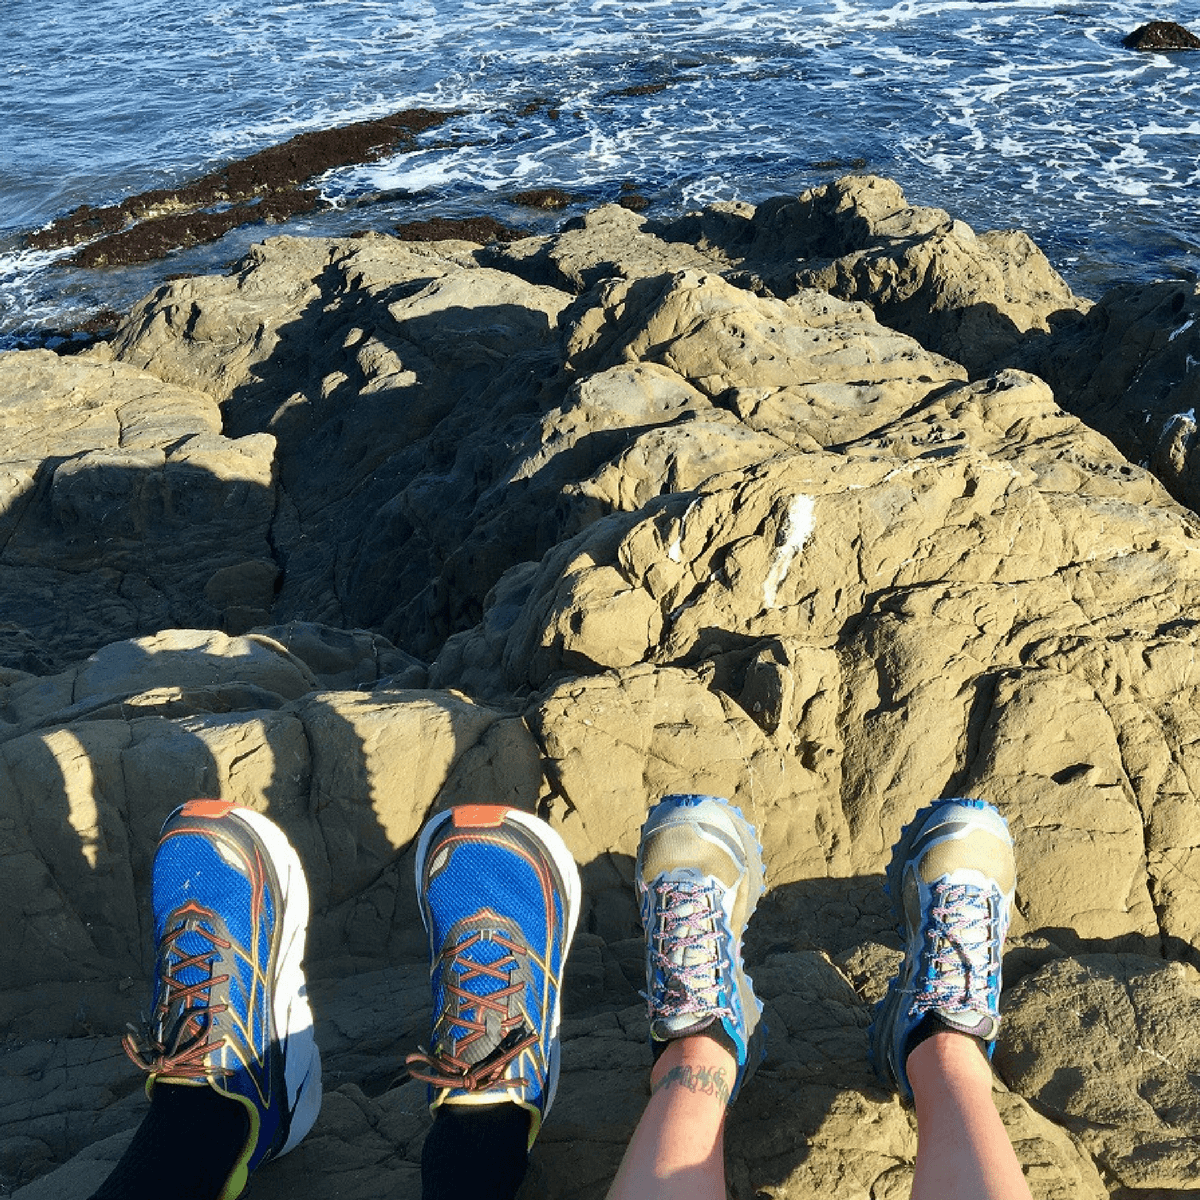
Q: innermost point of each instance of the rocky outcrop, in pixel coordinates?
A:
(1119, 1062)
(972, 297)
(267, 186)
(1159, 36)
(369, 528)
(126, 510)
(1131, 368)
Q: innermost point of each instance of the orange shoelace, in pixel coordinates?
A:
(449, 1069)
(175, 1044)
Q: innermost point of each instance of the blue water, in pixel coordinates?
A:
(1026, 113)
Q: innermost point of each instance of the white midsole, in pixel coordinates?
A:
(292, 1013)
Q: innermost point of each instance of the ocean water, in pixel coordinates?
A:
(1009, 113)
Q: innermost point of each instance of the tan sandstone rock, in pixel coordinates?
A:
(1107, 1045)
(973, 297)
(569, 525)
(102, 460)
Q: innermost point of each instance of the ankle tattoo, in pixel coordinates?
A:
(707, 1081)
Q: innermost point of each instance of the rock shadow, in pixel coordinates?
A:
(1070, 944)
(114, 544)
(393, 520)
(93, 758)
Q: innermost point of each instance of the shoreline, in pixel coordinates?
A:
(279, 187)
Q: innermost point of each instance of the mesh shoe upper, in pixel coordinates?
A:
(699, 876)
(500, 898)
(230, 1010)
(952, 877)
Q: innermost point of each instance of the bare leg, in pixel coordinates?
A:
(678, 1148)
(963, 1151)
(699, 874)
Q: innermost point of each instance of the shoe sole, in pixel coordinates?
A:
(291, 1009)
(556, 850)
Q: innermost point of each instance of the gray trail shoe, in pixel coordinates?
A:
(951, 878)
(699, 877)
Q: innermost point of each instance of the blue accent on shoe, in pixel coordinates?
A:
(230, 1008)
(699, 877)
(500, 898)
(951, 879)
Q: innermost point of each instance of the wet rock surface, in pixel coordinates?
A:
(369, 527)
(469, 229)
(263, 187)
(1161, 35)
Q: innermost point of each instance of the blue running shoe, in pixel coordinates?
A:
(699, 877)
(230, 1008)
(500, 896)
(951, 878)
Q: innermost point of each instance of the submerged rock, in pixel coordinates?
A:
(1161, 35)
(267, 186)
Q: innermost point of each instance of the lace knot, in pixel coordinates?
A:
(176, 1042)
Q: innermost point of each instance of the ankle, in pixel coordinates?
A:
(475, 1150)
(167, 1136)
(698, 1062)
(948, 1058)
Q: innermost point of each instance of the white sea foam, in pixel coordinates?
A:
(1017, 112)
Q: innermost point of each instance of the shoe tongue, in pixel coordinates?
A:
(494, 1044)
(980, 1025)
(474, 1049)
(482, 974)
